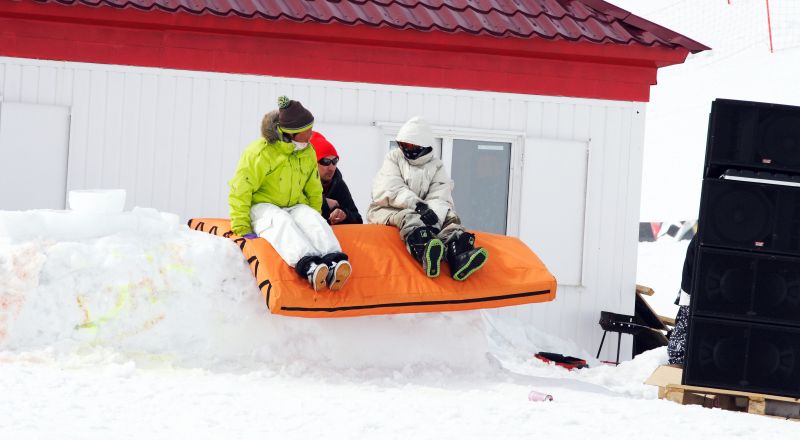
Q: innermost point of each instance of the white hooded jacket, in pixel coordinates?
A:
(401, 184)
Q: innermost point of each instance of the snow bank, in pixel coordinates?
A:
(139, 282)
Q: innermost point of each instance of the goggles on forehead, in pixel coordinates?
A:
(325, 161)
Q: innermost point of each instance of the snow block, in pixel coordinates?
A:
(387, 280)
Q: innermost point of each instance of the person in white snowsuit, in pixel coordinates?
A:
(413, 192)
(276, 194)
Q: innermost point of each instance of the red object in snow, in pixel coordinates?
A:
(567, 362)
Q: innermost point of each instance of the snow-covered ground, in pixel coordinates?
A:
(133, 326)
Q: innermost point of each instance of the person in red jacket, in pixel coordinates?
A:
(337, 203)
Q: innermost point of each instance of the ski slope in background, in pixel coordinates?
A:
(739, 66)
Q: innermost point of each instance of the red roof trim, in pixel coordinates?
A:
(333, 52)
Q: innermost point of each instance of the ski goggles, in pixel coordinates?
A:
(325, 161)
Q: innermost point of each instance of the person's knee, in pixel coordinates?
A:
(305, 213)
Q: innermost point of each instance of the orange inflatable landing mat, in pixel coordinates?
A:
(386, 279)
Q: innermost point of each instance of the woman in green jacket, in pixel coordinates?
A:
(276, 194)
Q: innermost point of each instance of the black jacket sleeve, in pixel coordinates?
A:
(348, 206)
(687, 277)
(688, 266)
(338, 191)
(326, 212)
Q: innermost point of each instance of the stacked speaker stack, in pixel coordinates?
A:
(744, 330)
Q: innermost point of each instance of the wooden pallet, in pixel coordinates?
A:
(753, 403)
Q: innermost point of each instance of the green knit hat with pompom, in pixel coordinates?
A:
(292, 116)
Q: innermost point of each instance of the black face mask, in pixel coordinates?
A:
(416, 153)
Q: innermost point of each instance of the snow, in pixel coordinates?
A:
(152, 330)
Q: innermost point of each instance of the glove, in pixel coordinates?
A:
(250, 236)
(426, 214)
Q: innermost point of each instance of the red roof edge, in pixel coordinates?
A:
(335, 52)
(639, 22)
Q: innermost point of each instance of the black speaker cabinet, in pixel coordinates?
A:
(752, 135)
(743, 356)
(750, 216)
(747, 286)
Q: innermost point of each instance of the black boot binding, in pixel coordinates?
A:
(426, 249)
(462, 256)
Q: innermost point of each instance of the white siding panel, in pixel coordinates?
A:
(482, 109)
(48, 85)
(130, 134)
(399, 106)
(172, 140)
(501, 114)
(416, 107)
(12, 86)
(111, 164)
(95, 143)
(215, 136)
(430, 106)
(29, 90)
(447, 110)
(365, 111)
(383, 105)
(333, 105)
(232, 140)
(463, 111)
(176, 184)
(64, 87)
(147, 148)
(79, 130)
(196, 184)
(348, 110)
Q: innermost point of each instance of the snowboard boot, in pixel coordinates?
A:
(339, 270)
(428, 250)
(314, 270)
(462, 256)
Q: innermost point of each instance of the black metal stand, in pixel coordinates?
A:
(619, 323)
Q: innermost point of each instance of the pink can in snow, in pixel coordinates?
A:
(535, 396)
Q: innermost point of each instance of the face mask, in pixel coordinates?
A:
(416, 153)
(299, 145)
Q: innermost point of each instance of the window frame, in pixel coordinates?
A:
(516, 139)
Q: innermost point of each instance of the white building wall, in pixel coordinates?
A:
(172, 139)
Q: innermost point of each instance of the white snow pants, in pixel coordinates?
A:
(294, 232)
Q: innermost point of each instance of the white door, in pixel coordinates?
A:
(34, 141)
(553, 205)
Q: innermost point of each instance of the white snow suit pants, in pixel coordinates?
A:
(294, 232)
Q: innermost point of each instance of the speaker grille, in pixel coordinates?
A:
(745, 356)
(750, 216)
(753, 135)
(779, 141)
(744, 285)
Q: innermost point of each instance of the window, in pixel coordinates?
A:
(480, 165)
(481, 172)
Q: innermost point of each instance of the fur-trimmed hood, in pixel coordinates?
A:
(269, 127)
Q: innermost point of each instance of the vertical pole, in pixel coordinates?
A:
(601, 344)
(769, 27)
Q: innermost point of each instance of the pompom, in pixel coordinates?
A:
(283, 102)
